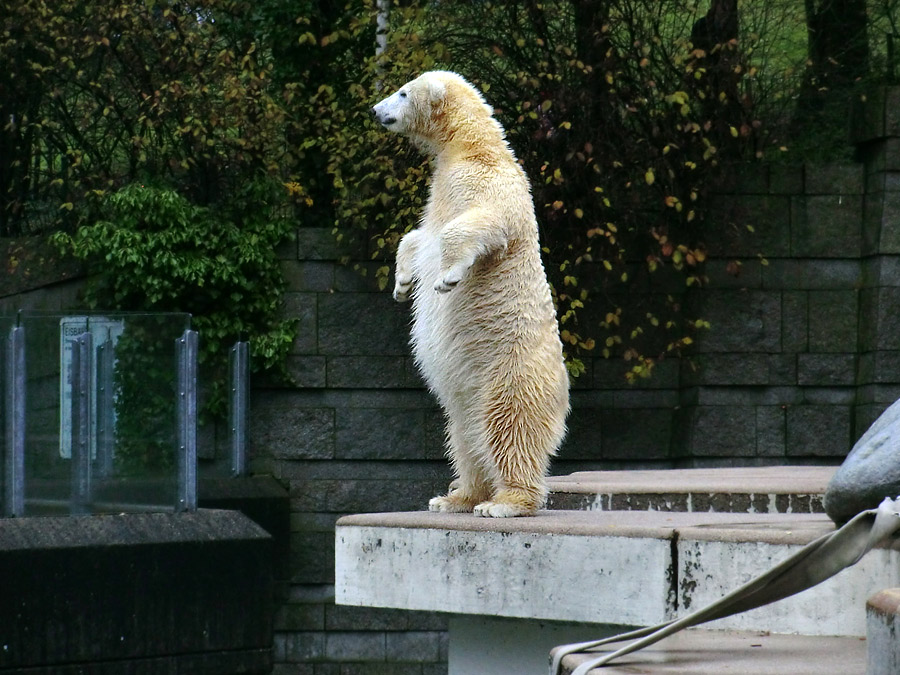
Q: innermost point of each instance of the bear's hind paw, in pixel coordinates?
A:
(501, 510)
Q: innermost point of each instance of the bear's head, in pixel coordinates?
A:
(434, 108)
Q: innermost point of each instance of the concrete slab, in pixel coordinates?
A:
(775, 489)
(883, 614)
(625, 568)
(703, 652)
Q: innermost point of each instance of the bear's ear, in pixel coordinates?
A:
(436, 90)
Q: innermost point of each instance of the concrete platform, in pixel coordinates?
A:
(772, 489)
(704, 652)
(883, 611)
(622, 568)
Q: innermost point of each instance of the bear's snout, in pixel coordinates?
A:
(384, 119)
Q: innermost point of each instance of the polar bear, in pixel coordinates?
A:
(484, 331)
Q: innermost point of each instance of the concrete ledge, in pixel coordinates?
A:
(882, 613)
(624, 568)
(704, 652)
(773, 489)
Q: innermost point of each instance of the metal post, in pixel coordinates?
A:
(82, 351)
(186, 350)
(238, 408)
(14, 469)
(106, 412)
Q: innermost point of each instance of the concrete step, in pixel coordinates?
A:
(883, 626)
(772, 489)
(627, 568)
(713, 652)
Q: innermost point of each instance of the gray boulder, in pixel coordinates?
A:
(871, 471)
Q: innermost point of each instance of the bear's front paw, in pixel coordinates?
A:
(402, 287)
(448, 281)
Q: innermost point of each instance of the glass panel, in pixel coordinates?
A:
(129, 401)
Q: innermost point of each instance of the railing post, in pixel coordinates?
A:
(106, 412)
(14, 464)
(238, 406)
(186, 350)
(82, 352)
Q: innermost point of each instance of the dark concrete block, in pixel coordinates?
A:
(353, 324)
(833, 321)
(770, 431)
(728, 369)
(827, 226)
(742, 321)
(824, 370)
(286, 431)
(722, 431)
(786, 179)
(134, 593)
(307, 371)
(380, 433)
(370, 372)
(302, 307)
(636, 434)
(309, 276)
(835, 179)
(818, 430)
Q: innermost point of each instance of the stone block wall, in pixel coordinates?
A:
(802, 355)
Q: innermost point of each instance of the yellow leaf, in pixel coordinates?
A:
(649, 177)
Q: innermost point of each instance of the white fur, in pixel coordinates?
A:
(484, 332)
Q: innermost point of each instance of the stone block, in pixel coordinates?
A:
(321, 243)
(889, 241)
(304, 617)
(795, 321)
(818, 430)
(879, 318)
(782, 369)
(299, 647)
(752, 179)
(312, 557)
(770, 431)
(786, 179)
(769, 216)
(302, 307)
(610, 374)
(355, 324)
(370, 372)
(722, 431)
(824, 370)
(414, 646)
(814, 274)
(308, 276)
(882, 270)
(879, 367)
(835, 179)
(741, 321)
(285, 431)
(833, 321)
(636, 434)
(355, 646)
(727, 369)
(360, 277)
(722, 273)
(583, 438)
(307, 371)
(826, 226)
(380, 433)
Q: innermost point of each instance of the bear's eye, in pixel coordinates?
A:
(402, 94)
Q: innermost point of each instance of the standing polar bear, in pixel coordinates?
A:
(484, 331)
